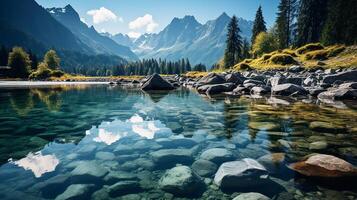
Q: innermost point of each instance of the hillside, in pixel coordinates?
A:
(308, 56)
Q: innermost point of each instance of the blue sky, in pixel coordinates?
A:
(140, 16)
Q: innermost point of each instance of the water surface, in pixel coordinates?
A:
(47, 132)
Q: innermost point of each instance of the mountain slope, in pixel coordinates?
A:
(35, 22)
(98, 43)
(201, 43)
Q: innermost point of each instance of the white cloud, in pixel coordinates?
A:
(145, 21)
(103, 15)
(133, 34)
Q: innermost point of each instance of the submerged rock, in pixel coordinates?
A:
(319, 145)
(273, 162)
(242, 173)
(204, 168)
(338, 94)
(169, 157)
(323, 165)
(326, 127)
(264, 126)
(76, 191)
(87, 171)
(156, 82)
(251, 196)
(124, 187)
(180, 181)
(217, 155)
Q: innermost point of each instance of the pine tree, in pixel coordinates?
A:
(188, 65)
(285, 22)
(4, 54)
(233, 52)
(245, 49)
(53, 61)
(311, 20)
(259, 24)
(34, 60)
(340, 26)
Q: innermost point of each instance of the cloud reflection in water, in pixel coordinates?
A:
(38, 163)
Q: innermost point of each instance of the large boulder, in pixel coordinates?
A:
(180, 180)
(322, 165)
(235, 78)
(288, 89)
(241, 174)
(210, 79)
(216, 89)
(251, 196)
(348, 76)
(338, 94)
(260, 90)
(156, 82)
(217, 155)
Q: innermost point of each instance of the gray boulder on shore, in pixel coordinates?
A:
(156, 82)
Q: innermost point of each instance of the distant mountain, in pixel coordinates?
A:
(186, 37)
(123, 40)
(88, 35)
(28, 24)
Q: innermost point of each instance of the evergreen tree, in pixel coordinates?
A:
(245, 49)
(340, 26)
(233, 51)
(311, 20)
(52, 60)
(34, 60)
(20, 63)
(259, 24)
(4, 54)
(285, 22)
(188, 65)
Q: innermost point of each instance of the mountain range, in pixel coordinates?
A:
(27, 24)
(186, 38)
(88, 35)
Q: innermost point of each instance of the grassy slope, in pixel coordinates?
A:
(309, 56)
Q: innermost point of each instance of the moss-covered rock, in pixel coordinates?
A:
(309, 47)
(282, 59)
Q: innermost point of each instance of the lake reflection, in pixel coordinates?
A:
(52, 138)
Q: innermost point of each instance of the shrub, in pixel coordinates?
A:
(42, 72)
(57, 73)
(309, 47)
(264, 43)
(282, 59)
(316, 55)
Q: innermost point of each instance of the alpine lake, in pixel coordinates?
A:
(114, 142)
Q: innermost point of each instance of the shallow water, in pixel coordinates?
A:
(46, 133)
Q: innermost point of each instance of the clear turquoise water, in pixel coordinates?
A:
(45, 133)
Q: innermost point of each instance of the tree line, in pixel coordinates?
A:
(297, 23)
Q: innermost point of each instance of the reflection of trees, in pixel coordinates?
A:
(50, 97)
(22, 102)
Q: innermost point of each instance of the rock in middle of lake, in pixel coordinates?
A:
(156, 82)
(241, 174)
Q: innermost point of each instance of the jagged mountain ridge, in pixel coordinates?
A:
(98, 43)
(186, 37)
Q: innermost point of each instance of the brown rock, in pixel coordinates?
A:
(322, 165)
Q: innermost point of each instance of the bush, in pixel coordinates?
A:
(309, 47)
(52, 60)
(57, 73)
(316, 55)
(264, 43)
(282, 59)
